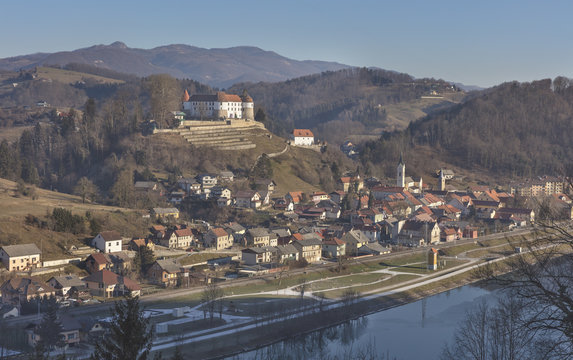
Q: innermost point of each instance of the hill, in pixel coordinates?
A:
(360, 102)
(215, 67)
(511, 130)
(25, 219)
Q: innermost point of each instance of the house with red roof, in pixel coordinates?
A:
(218, 238)
(109, 284)
(178, 239)
(303, 137)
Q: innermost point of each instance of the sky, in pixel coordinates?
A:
(480, 43)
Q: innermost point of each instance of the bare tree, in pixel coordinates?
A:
(211, 297)
(541, 277)
(498, 333)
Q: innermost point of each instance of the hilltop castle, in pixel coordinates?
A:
(219, 106)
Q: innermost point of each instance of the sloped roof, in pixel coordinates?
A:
(99, 258)
(110, 235)
(183, 232)
(287, 249)
(169, 265)
(302, 133)
(219, 232)
(69, 280)
(21, 250)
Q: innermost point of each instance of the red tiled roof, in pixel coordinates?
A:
(99, 258)
(219, 232)
(219, 97)
(302, 133)
(183, 232)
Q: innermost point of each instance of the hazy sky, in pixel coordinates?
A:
(475, 42)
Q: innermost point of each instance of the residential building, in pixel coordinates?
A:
(258, 255)
(107, 241)
(18, 290)
(178, 239)
(303, 137)
(20, 257)
(258, 237)
(354, 239)
(415, 230)
(165, 212)
(310, 249)
(64, 283)
(164, 272)
(286, 253)
(218, 238)
(96, 262)
(249, 199)
(333, 248)
(108, 284)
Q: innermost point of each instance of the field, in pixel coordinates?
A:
(72, 77)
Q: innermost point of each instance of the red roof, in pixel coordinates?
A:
(99, 258)
(219, 232)
(185, 96)
(183, 232)
(302, 133)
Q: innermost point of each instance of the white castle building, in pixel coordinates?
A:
(219, 106)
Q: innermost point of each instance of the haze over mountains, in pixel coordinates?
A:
(215, 67)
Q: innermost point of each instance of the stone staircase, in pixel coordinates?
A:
(220, 135)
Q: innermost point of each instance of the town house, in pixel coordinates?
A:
(20, 257)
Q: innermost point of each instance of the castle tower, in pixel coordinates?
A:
(248, 106)
(401, 176)
(186, 96)
(442, 180)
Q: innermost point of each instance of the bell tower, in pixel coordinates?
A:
(401, 173)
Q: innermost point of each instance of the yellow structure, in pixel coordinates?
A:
(433, 259)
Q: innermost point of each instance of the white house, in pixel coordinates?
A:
(303, 137)
(107, 241)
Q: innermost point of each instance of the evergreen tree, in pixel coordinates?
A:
(50, 327)
(130, 336)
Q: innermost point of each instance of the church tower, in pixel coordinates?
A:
(442, 180)
(401, 176)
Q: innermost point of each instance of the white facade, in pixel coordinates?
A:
(106, 246)
(303, 137)
(220, 105)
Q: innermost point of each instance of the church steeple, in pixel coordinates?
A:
(401, 172)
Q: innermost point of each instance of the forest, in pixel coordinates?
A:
(514, 129)
(335, 102)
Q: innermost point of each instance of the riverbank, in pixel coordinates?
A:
(270, 331)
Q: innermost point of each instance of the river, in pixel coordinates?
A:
(412, 331)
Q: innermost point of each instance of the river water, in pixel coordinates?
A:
(417, 330)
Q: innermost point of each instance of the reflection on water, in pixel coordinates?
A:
(413, 331)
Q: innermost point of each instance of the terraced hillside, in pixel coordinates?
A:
(221, 135)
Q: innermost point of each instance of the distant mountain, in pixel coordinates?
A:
(215, 67)
(465, 87)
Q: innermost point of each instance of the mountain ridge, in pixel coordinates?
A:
(217, 67)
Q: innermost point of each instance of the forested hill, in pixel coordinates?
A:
(215, 67)
(349, 101)
(514, 129)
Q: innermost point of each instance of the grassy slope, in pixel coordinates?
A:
(71, 77)
(14, 230)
